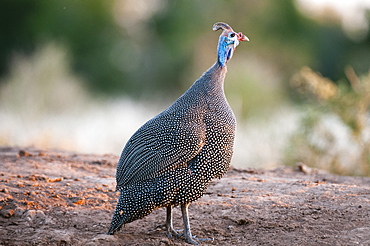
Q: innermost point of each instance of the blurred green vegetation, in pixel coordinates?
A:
(334, 130)
(86, 28)
(125, 48)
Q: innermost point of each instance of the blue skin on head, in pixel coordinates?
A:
(225, 49)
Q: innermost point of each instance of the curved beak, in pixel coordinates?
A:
(242, 37)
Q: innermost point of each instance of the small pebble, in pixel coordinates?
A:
(23, 153)
(7, 213)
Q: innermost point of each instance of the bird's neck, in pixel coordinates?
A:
(208, 88)
(224, 50)
(213, 79)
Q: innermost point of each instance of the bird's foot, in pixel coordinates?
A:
(194, 240)
(172, 232)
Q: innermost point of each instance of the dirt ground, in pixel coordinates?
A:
(62, 198)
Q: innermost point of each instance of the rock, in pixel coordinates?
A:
(306, 169)
(18, 212)
(23, 153)
(5, 190)
(34, 216)
(7, 213)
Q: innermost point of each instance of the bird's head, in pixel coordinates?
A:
(227, 42)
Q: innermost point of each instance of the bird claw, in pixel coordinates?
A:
(203, 239)
(172, 232)
(194, 239)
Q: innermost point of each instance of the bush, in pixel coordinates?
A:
(335, 128)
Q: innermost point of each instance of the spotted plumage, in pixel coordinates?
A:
(171, 159)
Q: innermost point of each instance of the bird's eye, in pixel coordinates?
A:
(232, 35)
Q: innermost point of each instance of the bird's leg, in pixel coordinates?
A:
(185, 217)
(169, 227)
(187, 233)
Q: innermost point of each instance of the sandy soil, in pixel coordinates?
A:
(62, 198)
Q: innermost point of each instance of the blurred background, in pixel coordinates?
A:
(84, 75)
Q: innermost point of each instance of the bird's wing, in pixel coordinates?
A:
(161, 144)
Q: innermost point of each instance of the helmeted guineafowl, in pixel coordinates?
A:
(173, 157)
